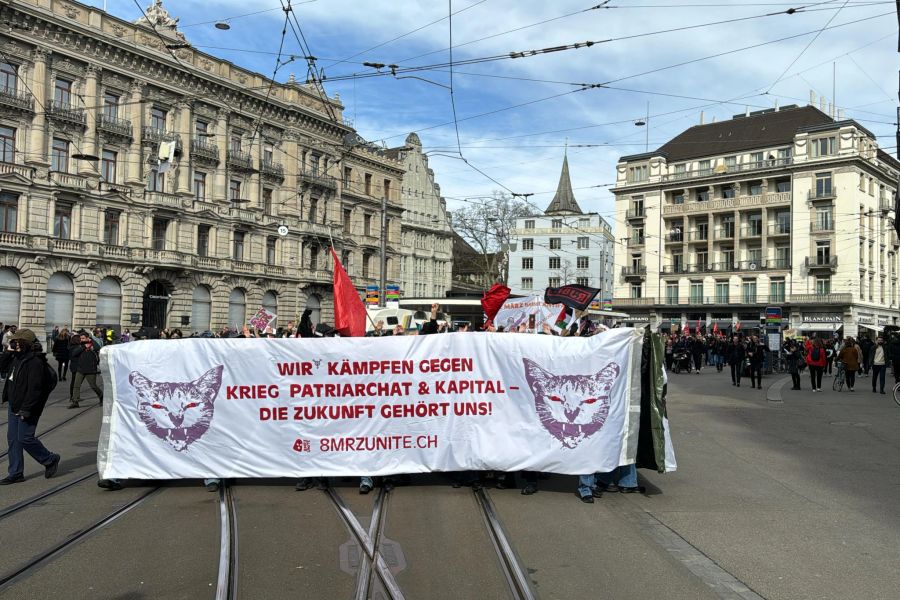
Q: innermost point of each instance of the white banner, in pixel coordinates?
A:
(236, 407)
(532, 312)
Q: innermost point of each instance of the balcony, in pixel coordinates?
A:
(634, 273)
(243, 267)
(814, 263)
(728, 204)
(751, 231)
(110, 251)
(725, 233)
(14, 169)
(721, 170)
(816, 299)
(12, 98)
(314, 178)
(120, 128)
(271, 169)
(674, 238)
(623, 302)
(68, 180)
(69, 246)
(162, 199)
(698, 235)
(635, 213)
(821, 227)
(780, 229)
(673, 269)
(828, 193)
(152, 136)
(242, 161)
(205, 262)
(201, 150)
(636, 242)
(17, 240)
(66, 113)
(885, 203)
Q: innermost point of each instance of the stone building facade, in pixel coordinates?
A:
(259, 180)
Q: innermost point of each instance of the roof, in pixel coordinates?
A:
(563, 202)
(758, 130)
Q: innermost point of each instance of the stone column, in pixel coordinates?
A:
(90, 135)
(255, 146)
(184, 130)
(220, 185)
(135, 150)
(37, 151)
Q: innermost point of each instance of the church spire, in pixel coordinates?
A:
(564, 201)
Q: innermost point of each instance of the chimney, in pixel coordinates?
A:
(812, 98)
(822, 103)
(746, 111)
(831, 110)
(701, 117)
(840, 114)
(776, 104)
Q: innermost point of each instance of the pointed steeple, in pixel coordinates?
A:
(564, 201)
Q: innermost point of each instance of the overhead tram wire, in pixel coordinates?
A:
(166, 44)
(452, 97)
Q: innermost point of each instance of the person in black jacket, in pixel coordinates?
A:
(86, 360)
(736, 355)
(756, 353)
(26, 390)
(61, 353)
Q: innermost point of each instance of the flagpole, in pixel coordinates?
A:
(368, 316)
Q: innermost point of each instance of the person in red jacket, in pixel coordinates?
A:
(815, 359)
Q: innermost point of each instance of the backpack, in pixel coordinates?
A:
(816, 354)
(50, 378)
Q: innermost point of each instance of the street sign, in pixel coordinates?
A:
(773, 316)
(371, 294)
(392, 292)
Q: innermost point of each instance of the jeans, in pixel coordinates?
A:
(20, 438)
(624, 476)
(815, 376)
(586, 484)
(366, 480)
(92, 381)
(209, 481)
(878, 373)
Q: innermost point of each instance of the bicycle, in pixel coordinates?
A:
(838, 383)
(896, 393)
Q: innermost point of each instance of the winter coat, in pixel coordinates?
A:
(84, 361)
(26, 386)
(61, 348)
(812, 361)
(794, 360)
(756, 353)
(851, 357)
(736, 354)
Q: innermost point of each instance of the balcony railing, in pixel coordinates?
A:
(162, 199)
(725, 234)
(635, 213)
(727, 267)
(635, 242)
(723, 204)
(239, 160)
(885, 203)
(743, 298)
(201, 149)
(780, 229)
(20, 170)
(698, 235)
(674, 238)
(114, 126)
(821, 298)
(730, 169)
(824, 194)
(152, 135)
(272, 169)
(814, 262)
(68, 180)
(66, 112)
(751, 232)
(317, 179)
(821, 227)
(18, 240)
(632, 272)
(17, 100)
(633, 302)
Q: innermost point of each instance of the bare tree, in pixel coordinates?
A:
(566, 272)
(486, 227)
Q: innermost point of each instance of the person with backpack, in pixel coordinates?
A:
(86, 365)
(816, 362)
(30, 381)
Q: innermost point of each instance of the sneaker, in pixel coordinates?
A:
(529, 489)
(610, 488)
(303, 484)
(365, 488)
(50, 469)
(12, 479)
(109, 484)
(586, 499)
(637, 489)
(212, 486)
(596, 492)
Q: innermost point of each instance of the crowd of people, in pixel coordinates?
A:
(29, 379)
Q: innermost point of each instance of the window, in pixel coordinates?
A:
(345, 259)
(784, 155)
(347, 174)
(782, 257)
(368, 184)
(637, 173)
(637, 205)
(529, 223)
(238, 251)
(201, 128)
(755, 224)
(582, 280)
(730, 163)
(62, 92)
(527, 264)
(678, 263)
(583, 243)
(267, 201)
(776, 290)
(755, 188)
(62, 221)
(527, 283)
(553, 282)
(270, 250)
(728, 191)
(199, 185)
(823, 185)
(237, 308)
(728, 227)
(728, 259)
(637, 290)
(366, 264)
(696, 292)
(556, 224)
(528, 244)
(108, 166)
(367, 224)
(201, 308)
(9, 206)
(722, 292)
(754, 255)
(234, 190)
(7, 144)
(158, 119)
(314, 258)
(160, 228)
(314, 160)
(348, 214)
(110, 105)
(823, 218)
(59, 156)
(703, 167)
(748, 292)
(678, 198)
(823, 252)
(823, 285)
(268, 153)
(584, 223)
(702, 260)
(554, 262)
(555, 243)
(156, 181)
(680, 171)
(582, 262)
(671, 293)
(702, 231)
(783, 185)
(822, 147)
(9, 78)
(702, 195)
(109, 302)
(756, 159)
(313, 209)
(386, 189)
(235, 142)
(203, 240)
(111, 227)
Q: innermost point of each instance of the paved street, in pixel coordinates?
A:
(781, 500)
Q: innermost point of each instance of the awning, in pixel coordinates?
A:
(635, 324)
(821, 326)
(872, 327)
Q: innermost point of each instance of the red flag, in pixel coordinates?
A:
(349, 312)
(493, 299)
(715, 328)
(697, 329)
(737, 327)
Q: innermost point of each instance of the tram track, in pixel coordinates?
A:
(227, 583)
(57, 401)
(24, 570)
(516, 576)
(14, 508)
(60, 424)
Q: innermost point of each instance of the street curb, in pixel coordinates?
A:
(773, 392)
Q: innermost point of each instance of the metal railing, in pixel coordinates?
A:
(319, 179)
(724, 233)
(15, 99)
(780, 229)
(634, 271)
(729, 169)
(268, 167)
(152, 135)
(239, 160)
(200, 148)
(108, 124)
(814, 262)
(66, 112)
(823, 227)
(751, 232)
(635, 213)
(826, 194)
(635, 242)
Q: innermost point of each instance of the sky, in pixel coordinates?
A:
(506, 124)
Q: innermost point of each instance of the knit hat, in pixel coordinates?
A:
(26, 335)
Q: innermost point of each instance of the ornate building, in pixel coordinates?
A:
(256, 180)
(427, 251)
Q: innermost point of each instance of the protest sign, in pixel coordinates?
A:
(262, 319)
(375, 406)
(531, 311)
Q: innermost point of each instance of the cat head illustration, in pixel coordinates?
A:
(571, 407)
(177, 413)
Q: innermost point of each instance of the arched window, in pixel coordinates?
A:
(270, 303)
(10, 296)
(237, 308)
(60, 309)
(109, 303)
(314, 303)
(201, 309)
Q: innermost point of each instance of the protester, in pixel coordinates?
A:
(816, 362)
(86, 357)
(735, 358)
(756, 354)
(61, 353)
(306, 324)
(878, 361)
(26, 390)
(795, 363)
(850, 356)
(865, 345)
